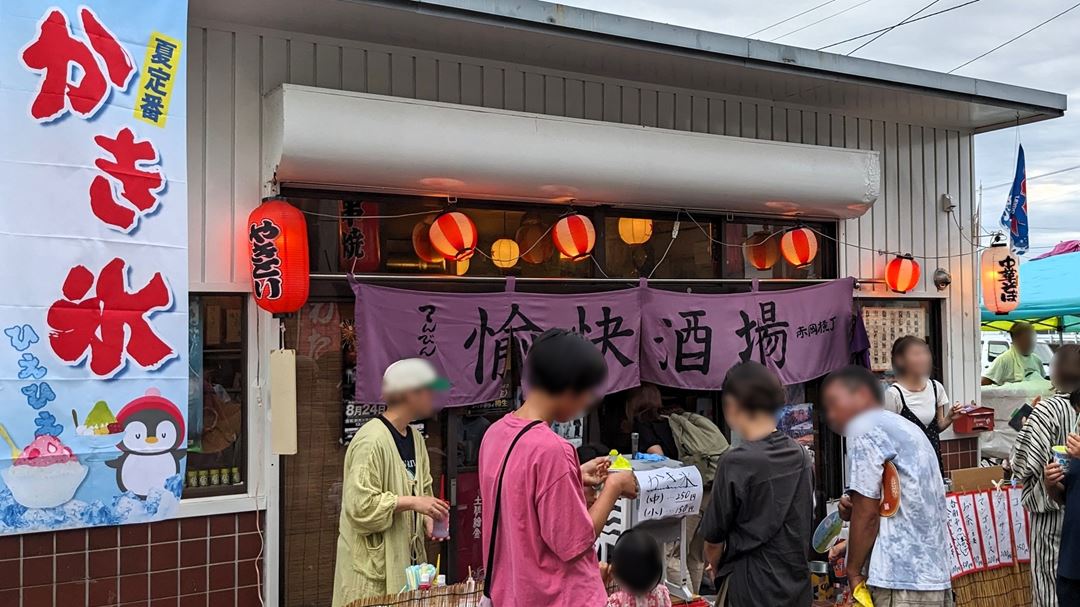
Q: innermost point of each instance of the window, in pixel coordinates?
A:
(216, 462)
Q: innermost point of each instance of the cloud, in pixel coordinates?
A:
(1045, 59)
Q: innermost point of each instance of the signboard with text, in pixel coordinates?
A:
(645, 334)
(94, 313)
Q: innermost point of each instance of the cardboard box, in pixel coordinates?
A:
(973, 479)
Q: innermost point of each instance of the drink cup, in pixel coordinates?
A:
(441, 529)
(1061, 456)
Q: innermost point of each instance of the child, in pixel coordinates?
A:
(638, 567)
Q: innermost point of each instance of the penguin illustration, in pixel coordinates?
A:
(152, 446)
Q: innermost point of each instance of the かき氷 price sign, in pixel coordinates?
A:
(93, 369)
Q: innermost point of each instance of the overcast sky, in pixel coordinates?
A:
(1048, 59)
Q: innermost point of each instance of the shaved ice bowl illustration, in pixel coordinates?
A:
(45, 475)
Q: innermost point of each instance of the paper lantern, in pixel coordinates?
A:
(453, 235)
(634, 230)
(461, 267)
(278, 253)
(799, 246)
(504, 253)
(762, 249)
(574, 236)
(532, 244)
(902, 273)
(1000, 270)
(421, 242)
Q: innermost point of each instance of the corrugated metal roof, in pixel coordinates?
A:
(558, 37)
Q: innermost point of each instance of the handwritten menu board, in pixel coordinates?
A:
(988, 529)
(884, 325)
(668, 492)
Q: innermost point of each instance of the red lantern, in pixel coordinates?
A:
(799, 247)
(278, 247)
(421, 242)
(762, 250)
(902, 273)
(453, 235)
(574, 236)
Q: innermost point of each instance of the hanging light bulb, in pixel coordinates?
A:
(635, 230)
(1000, 271)
(799, 247)
(902, 273)
(504, 253)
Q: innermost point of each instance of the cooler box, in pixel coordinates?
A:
(979, 420)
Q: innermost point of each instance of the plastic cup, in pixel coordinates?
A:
(1061, 456)
(441, 529)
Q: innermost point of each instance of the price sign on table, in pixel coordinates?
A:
(668, 492)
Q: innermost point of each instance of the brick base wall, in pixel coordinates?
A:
(193, 562)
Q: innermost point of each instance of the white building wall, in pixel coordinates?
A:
(231, 67)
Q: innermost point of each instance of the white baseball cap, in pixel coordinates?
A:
(412, 374)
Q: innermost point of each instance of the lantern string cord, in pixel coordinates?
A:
(600, 269)
(521, 254)
(674, 235)
(340, 216)
(776, 232)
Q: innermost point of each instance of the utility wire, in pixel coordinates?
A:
(907, 22)
(796, 16)
(889, 29)
(1015, 38)
(1050, 174)
(836, 14)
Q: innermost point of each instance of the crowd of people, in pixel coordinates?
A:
(544, 508)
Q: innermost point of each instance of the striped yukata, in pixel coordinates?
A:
(1048, 425)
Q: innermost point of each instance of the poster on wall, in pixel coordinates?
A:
(93, 356)
(884, 325)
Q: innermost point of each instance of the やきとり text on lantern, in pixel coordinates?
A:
(1000, 271)
(278, 247)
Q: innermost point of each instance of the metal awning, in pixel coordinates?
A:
(542, 34)
(358, 141)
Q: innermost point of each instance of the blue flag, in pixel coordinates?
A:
(1015, 217)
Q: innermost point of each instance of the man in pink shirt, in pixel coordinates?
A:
(543, 549)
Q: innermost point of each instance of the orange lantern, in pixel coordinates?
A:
(534, 247)
(278, 250)
(1000, 271)
(635, 230)
(504, 253)
(902, 273)
(762, 250)
(574, 236)
(453, 235)
(421, 243)
(799, 246)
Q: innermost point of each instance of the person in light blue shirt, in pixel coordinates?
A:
(909, 562)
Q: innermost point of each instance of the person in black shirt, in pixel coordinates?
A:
(646, 416)
(406, 444)
(757, 527)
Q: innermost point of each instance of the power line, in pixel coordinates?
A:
(836, 14)
(1050, 174)
(908, 22)
(796, 16)
(1014, 39)
(889, 29)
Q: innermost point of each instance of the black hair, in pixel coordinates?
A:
(754, 387)
(854, 377)
(902, 345)
(1019, 328)
(1066, 372)
(561, 361)
(638, 562)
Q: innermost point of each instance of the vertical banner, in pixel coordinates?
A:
(94, 311)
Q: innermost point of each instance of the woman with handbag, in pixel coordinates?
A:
(538, 531)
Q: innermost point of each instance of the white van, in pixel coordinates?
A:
(995, 343)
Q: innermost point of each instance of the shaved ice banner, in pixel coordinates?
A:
(93, 313)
